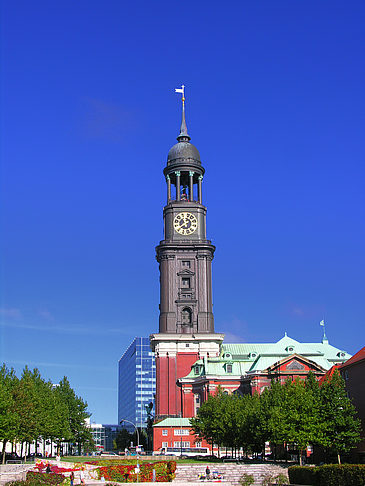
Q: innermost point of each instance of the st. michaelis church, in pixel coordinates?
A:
(192, 360)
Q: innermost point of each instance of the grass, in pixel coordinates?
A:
(131, 460)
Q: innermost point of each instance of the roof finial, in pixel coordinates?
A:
(324, 339)
(183, 136)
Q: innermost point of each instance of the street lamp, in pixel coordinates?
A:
(137, 448)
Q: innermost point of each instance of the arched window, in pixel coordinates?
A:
(186, 316)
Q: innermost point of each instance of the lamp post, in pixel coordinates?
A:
(137, 448)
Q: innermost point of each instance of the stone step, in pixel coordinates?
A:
(231, 472)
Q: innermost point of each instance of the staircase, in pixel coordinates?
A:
(231, 472)
(13, 472)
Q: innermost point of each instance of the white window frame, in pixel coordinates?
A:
(182, 444)
(181, 432)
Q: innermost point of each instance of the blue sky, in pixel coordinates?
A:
(275, 105)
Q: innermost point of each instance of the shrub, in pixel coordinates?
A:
(341, 474)
(37, 478)
(328, 475)
(16, 483)
(246, 480)
(303, 475)
(279, 479)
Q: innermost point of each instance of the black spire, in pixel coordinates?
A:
(184, 136)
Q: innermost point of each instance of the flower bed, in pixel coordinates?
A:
(126, 473)
(42, 466)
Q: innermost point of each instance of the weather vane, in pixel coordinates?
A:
(182, 91)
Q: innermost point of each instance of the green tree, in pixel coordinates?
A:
(26, 406)
(9, 419)
(77, 429)
(210, 422)
(302, 415)
(123, 439)
(341, 424)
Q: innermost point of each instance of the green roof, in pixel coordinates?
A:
(251, 357)
(173, 422)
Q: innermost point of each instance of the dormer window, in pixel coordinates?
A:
(229, 368)
(253, 355)
(341, 354)
(290, 349)
(227, 356)
(196, 370)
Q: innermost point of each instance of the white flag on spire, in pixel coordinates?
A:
(180, 90)
(322, 323)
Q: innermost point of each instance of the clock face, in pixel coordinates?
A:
(185, 223)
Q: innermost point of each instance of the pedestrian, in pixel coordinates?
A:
(82, 477)
(153, 475)
(207, 472)
(72, 477)
(48, 468)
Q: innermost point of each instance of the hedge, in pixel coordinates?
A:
(328, 475)
(38, 479)
(125, 473)
(44, 478)
(303, 475)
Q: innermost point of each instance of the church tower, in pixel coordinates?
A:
(186, 323)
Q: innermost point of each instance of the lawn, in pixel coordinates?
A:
(130, 460)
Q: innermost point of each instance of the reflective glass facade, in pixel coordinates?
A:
(137, 382)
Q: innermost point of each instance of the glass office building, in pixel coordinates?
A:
(136, 382)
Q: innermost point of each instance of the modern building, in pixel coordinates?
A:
(104, 435)
(191, 358)
(136, 383)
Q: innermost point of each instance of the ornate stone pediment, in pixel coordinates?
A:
(186, 272)
(295, 365)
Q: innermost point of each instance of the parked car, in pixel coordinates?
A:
(11, 456)
(104, 453)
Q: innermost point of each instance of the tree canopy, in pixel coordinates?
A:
(32, 409)
(298, 412)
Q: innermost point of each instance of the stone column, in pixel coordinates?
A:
(191, 185)
(200, 189)
(168, 188)
(177, 173)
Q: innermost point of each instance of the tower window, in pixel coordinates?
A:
(186, 316)
(185, 282)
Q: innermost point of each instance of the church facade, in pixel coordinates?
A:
(192, 360)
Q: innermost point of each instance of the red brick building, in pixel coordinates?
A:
(191, 359)
(353, 372)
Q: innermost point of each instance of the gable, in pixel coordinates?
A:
(295, 363)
